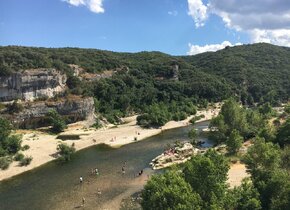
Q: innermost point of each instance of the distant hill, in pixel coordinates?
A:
(263, 69)
(252, 73)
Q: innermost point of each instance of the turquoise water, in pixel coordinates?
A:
(56, 186)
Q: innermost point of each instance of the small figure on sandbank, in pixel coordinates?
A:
(83, 201)
(96, 171)
(81, 180)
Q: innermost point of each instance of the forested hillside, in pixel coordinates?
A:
(252, 73)
(260, 71)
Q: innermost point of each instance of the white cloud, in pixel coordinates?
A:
(173, 13)
(196, 49)
(95, 6)
(198, 11)
(278, 36)
(264, 20)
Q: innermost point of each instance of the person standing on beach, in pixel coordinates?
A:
(83, 201)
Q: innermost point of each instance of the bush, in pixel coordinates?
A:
(4, 162)
(25, 161)
(25, 147)
(3, 152)
(15, 107)
(58, 124)
(97, 124)
(18, 157)
(12, 144)
(65, 152)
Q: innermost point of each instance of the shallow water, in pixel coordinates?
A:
(56, 186)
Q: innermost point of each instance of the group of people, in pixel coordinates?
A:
(95, 171)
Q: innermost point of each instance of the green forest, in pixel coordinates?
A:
(254, 74)
(201, 182)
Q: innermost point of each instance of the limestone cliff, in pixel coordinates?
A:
(72, 109)
(31, 84)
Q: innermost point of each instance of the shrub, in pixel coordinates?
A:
(65, 152)
(18, 157)
(25, 161)
(58, 124)
(12, 144)
(97, 124)
(15, 107)
(4, 162)
(25, 147)
(3, 152)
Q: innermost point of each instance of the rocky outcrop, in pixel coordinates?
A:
(175, 155)
(32, 84)
(72, 109)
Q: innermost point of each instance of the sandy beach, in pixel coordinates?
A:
(43, 146)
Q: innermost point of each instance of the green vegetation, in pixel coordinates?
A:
(169, 191)
(25, 161)
(268, 164)
(5, 162)
(18, 157)
(58, 124)
(9, 144)
(234, 142)
(144, 81)
(65, 151)
(192, 134)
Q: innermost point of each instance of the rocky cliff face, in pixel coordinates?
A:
(73, 110)
(32, 84)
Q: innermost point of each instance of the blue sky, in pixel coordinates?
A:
(176, 27)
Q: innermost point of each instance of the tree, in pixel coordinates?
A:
(234, 117)
(234, 142)
(65, 151)
(192, 134)
(287, 108)
(266, 109)
(207, 175)
(58, 124)
(12, 144)
(169, 191)
(283, 134)
(262, 156)
(5, 129)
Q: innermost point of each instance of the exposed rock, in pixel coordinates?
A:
(176, 155)
(73, 109)
(31, 84)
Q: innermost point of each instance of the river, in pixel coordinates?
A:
(56, 186)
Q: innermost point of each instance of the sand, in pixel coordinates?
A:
(236, 174)
(43, 146)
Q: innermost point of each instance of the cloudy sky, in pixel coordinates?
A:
(176, 27)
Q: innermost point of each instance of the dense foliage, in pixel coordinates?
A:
(252, 73)
(57, 122)
(65, 151)
(9, 144)
(268, 187)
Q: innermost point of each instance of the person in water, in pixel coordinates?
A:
(140, 172)
(123, 169)
(97, 171)
(81, 179)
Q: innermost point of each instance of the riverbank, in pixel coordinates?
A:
(43, 146)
